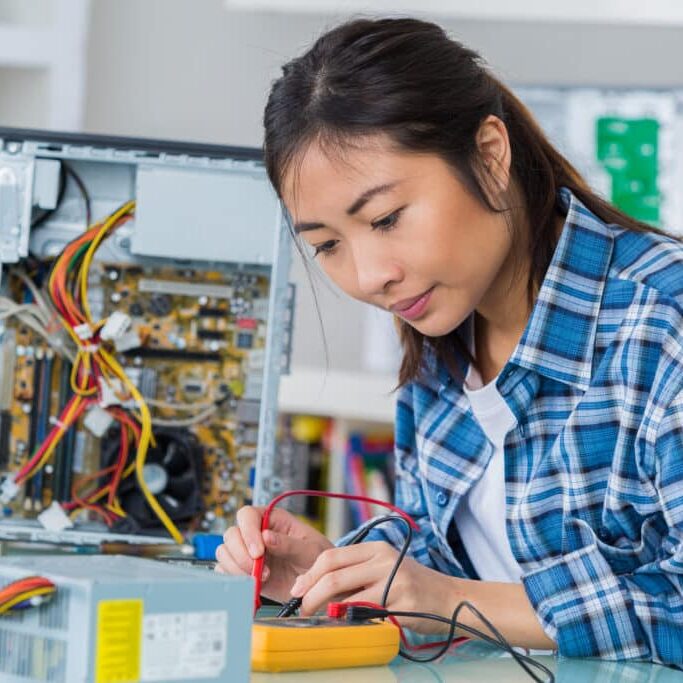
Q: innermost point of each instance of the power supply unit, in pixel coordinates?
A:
(117, 619)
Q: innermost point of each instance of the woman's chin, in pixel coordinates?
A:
(434, 326)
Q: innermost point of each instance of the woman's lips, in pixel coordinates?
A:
(410, 309)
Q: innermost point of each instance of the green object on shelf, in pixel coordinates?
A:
(628, 150)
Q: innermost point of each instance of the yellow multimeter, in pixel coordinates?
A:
(308, 643)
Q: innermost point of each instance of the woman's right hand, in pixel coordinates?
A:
(291, 547)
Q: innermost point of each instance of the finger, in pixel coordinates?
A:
(331, 560)
(283, 546)
(249, 520)
(332, 586)
(227, 563)
(372, 594)
(282, 521)
(234, 544)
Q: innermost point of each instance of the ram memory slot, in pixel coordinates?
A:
(5, 433)
(43, 422)
(7, 367)
(38, 361)
(61, 485)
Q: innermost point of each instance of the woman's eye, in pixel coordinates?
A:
(326, 248)
(388, 222)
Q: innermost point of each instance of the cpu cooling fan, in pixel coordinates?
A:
(172, 472)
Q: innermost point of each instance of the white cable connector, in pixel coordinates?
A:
(8, 490)
(116, 326)
(54, 518)
(97, 421)
(111, 392)
(126, 342)
(83, 331)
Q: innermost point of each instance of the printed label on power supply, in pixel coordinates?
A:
(181, 645)
(117, 654)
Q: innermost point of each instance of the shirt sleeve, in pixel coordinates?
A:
(590, 608)
(408, 494)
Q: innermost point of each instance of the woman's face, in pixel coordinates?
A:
(399, 231)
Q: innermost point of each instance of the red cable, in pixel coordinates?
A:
(24, 585)
(120, 463)
(257, 569)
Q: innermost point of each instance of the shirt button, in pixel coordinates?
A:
(505, 374)
(522, 430)
(441, 499)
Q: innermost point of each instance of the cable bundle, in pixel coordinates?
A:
(93, 367)
(31, 591)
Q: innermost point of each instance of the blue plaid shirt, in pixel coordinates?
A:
(594, 466)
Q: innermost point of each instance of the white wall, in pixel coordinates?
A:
(193, 69)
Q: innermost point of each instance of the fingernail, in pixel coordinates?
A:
(266, 573)
(296, 589)
(254, 550)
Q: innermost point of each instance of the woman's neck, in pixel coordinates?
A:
(503, 314)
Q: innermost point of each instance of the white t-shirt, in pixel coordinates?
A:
(480, 515)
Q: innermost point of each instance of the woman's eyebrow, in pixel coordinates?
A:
(368, 195)
(357, 205)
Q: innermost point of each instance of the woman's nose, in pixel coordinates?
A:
(376, 268)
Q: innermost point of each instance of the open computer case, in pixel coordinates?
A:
(145, 318)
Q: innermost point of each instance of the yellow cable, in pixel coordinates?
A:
(116, 509)
(79, 390)
(143, 445)
(127, 208)
(231, 443)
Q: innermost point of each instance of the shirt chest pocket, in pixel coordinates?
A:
(623, 555)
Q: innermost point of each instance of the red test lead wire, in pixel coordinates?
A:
(257, 568)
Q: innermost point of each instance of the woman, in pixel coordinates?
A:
(540, 412)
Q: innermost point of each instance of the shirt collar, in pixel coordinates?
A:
(559, 337)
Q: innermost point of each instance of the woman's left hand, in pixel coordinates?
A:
(359, 573)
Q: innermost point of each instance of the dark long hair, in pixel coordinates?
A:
(407, 79)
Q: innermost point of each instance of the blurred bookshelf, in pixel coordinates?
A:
(340, 455)
(358, 410)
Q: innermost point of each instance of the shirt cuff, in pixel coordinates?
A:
(584, 608)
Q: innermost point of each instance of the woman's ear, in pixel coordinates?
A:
(493, 145)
